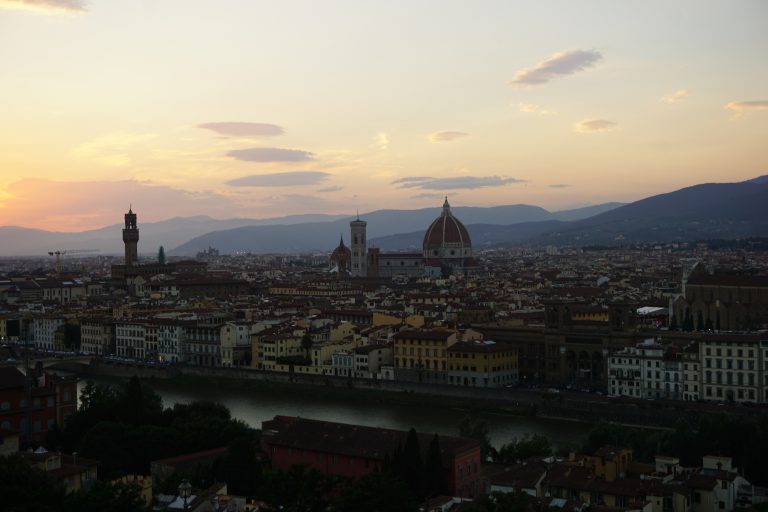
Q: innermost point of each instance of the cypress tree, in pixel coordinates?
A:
(412, 467)
(433, 468)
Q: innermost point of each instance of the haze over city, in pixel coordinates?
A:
(261, 109)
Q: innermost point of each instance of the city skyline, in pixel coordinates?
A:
(260, 111)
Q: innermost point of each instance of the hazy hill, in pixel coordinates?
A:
(708, 211)
(325, 235)
(18, 241)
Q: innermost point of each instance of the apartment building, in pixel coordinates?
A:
(97, 336)
(733, 367)
(484, 364)
(130, 339)
(44, 331)
(422, 355)
(647, 370)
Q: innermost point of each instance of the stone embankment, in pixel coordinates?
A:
(583, 407)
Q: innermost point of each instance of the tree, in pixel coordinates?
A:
(72, 335)
(474, 428)
(527, 446)
(306, 343)
(25, 488)
(161, 255)
(297, 490)
(376, 492)
(139, 403)
(412, 471)
(240, 468)
(433, 469)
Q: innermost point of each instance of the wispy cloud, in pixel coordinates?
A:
(427, 195)
(678, 96)
(280, 179)
(381, 140)
(412, 179)
(532, 108)
(242, 129)
(333, 188)
(559, 185)
(46, 5)
(447, 136)
(747, 106)
(270, 155)
(594, 125)
(112, 149)
(455, 183)
(559, 64)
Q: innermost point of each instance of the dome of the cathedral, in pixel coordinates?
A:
(447, 237)
(341, 255)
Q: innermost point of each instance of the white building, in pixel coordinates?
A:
(645, 371)
(43, 330)
(733, 367)
(235, 343)
(343, 363)
(130, 339)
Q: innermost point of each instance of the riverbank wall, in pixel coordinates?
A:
(582, 407)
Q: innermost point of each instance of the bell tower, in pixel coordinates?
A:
(131, 239)
(359, 248)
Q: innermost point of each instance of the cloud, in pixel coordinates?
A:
(559, 185)
(270, 155)
(412, 179)
(679, 95)
(45, 5)
(240, 129)
(427, 195)
(79, 205)
(333, 188)
(447, 136)
(112, 149)
(594, 125)
(532, 108)
(559, 64)
(381, 140)
(454, 183)
(280, 179)
(747, 106)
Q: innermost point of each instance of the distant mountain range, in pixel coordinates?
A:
(322, 236)
(701, 212)
(707, 211)
(18, 241)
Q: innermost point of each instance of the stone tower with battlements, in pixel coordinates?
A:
(131, 239)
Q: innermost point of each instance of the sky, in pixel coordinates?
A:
(256, 109)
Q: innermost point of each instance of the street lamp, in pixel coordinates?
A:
(185, 490)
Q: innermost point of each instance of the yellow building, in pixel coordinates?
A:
(267, 347)
(611, 462)
(421, 355)
(484, 364)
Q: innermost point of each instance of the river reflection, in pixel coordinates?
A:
(254, 405)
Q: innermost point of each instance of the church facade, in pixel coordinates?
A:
(446, 250)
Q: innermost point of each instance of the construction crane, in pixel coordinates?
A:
(59, 254)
